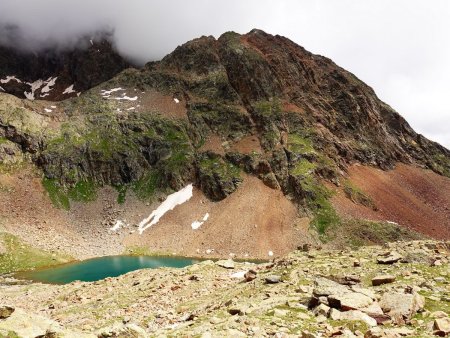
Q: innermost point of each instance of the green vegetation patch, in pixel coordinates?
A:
(57, 195)
(217, 166)
(83, 191)
(20, 256)
(356, 195)
(300, 145)
(146, 187)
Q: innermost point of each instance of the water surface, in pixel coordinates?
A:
(99, 268)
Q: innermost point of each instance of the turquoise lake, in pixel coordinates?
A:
(99, 268)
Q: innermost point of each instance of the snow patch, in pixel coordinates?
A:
(270, 253)
(119, 224)
(53, 107)
(92, 42)
(49, 84)
(176, 100)
(10, 78)
(124, 97)
(47, 110)
(131, 108)
(170, 203)
(197, 224)
(1, 88)
(34, 86)
(109, 92)
(391, 222)
(69, 90)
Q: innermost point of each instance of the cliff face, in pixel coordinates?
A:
(57, 75)
(212, 109)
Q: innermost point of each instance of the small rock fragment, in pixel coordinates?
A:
(382, 279)
(227, 264)
(273, 279)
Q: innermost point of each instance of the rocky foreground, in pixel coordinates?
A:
(394, 291)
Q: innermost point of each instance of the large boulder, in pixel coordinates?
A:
(401, 306)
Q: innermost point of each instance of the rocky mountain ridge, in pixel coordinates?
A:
(310, 119)
(56, 74)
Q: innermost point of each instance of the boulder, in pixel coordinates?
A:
(227, 264)
(349, 301)
(389, 258)
(400, 306)
(6, 311)
(382, 279)
(442, 326)
(273, 279)
(353, 315)
(326, 287)
(321, 309)
(250, 275)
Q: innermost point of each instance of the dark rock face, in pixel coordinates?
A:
(89, 64)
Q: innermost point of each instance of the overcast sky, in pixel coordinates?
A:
(399, 47)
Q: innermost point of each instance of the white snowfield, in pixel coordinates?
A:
(197, 224)
(170, 203)
(48, 84)
(176, 100)
(9, 78)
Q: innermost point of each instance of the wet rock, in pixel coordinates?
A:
(389, 258)
(382, 279)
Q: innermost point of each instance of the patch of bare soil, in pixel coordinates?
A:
(27, 212)
(214, 144)
(249, 223)
(247, 145)
(412, 197)
(154, 101)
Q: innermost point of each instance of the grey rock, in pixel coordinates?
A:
(389, 258)
(273, 279)
(382, 279)
(227, 264)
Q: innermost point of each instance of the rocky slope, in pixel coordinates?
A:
(238, 116)
(56, 74)
(309, 117)
(400, 290)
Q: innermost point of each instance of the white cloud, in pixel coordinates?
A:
(401, 48)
